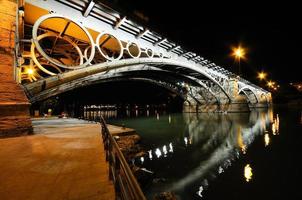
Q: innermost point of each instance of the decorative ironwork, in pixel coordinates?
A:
(56, 52)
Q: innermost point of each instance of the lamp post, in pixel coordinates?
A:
(238, 53)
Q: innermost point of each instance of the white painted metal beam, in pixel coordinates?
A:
(89, 8)
(119, 23)
(141, 34)
(160, 41)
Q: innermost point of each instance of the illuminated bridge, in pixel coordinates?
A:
(63, 45)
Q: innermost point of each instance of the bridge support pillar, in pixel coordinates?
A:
(14, 106)
(265, 101)
(259, 105)
(189, 107)
(238, 102)
(210, 107)
(202, 107)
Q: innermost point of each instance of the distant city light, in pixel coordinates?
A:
(297, 85)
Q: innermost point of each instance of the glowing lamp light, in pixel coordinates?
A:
(262, 75)
(30, 71)
(239, 52)
(270, 83)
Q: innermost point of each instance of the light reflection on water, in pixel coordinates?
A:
(248, 172)
(266, 139)
(189, 150)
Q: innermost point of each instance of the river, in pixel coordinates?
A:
(214, 155)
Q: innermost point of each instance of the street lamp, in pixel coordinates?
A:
(238, 53)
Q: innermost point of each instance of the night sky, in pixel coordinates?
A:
(270, 31)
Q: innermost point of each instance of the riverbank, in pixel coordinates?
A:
(63, 159)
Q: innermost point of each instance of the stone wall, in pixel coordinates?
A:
(14, 105)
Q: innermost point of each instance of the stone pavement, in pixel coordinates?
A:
(64, 159)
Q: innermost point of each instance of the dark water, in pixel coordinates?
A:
(227, 156)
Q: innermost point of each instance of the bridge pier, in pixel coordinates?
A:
(259, 105)
(207, 108)
(189, 107)
(264, 101)
(14, 106)
(238, 104)
(199, 108)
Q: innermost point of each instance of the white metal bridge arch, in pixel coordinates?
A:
(104, 45)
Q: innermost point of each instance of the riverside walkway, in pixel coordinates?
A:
(64, 159)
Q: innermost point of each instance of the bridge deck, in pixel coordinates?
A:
(64, 160)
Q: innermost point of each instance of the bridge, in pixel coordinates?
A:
(63, 45)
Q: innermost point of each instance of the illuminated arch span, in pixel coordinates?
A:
(102, 78)
(96, 45)
(36, 87)
(143, 56)
(151, 68)
(113, 75)
(244, 90)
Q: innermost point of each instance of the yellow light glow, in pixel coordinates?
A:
(239, 52)
(240, 141)
(30, 71)
(270, 83)
(275, 126)
(266, 139)
(262, 75)
(248, 172)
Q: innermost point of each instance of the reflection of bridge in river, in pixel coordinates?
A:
(218, 140)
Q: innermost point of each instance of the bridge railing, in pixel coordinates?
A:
(126, 185)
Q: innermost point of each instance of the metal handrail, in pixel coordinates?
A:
(120, 173)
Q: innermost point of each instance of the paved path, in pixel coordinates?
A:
(64, 160)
